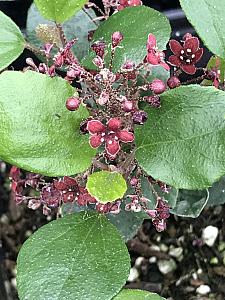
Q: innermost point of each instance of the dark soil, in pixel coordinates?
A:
(193, 269)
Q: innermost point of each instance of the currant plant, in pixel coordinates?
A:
(104, 133)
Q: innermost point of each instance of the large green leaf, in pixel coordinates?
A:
(190, 203)
(135, 23)
(78, 26)
(59, 11)
(12, 42)
(182, 143)
(137, 295)
(106, 186)
(37, 132)
(208, 17)
(80, 256)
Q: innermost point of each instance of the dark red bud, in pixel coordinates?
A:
(173, 82)
(117, 37)
(154, 101)
(139, 117)
(72, 103)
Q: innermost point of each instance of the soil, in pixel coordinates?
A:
(193, 268)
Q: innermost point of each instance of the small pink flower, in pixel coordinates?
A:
(186, 56)
(155, 57)
(110, 134)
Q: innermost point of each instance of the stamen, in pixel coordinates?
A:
(102, 140)
(181, 57)
(110, 142)
(189, 50)
(188, 60)
(193, 56)
(182, 51)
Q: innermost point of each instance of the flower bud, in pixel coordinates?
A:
(117, 37)
(134, 181)
(128, 106)
(99, 48)
(98, 62)
(103, 99)
(128, 66)
(173, 82)
(139, 117)
(154, 101)
(157, 86)
(72, 103)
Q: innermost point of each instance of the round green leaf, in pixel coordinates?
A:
(78, 26)
(208, 19)
(37, 132)
(135, 23)
(12, 42)
(59, 11)
(106, 186)
(190, 203)
(137, 295)
(80, 256)
(182, 143)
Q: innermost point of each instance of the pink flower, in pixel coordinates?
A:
(126, 3)
(155, 57)
(186, 56)
(110, 134)
(159, 214)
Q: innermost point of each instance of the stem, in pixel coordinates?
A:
(100, 165)
(33, 49)
(61, 34)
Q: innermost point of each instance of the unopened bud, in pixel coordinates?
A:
(157, 86)
(117, 37)
(72, 103)
(173, 82)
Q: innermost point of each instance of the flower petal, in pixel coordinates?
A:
(198, 55)
(189, 69)
(152, 58)
(165, 66)
(114, 124)
(112, 147)
(125, 136)
(95, 141)
(95, 126)
(151, 44)
(174, 60)
(175, 47)
(192, 43)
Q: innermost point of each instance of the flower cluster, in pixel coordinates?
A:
(159, 214)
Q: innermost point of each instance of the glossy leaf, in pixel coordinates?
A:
(147, 190)
(127, 222)
(182, 143)
(59, 11)
(127, 294)
(106, 186)
(12, 42)
(217, 193)
(80, 256)
(190, 203)
(135, 23)
(78, 26)
(37, 132)
(208, 18)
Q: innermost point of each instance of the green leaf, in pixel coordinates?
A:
(217, 193)
(80, 256)
(37, 132)
(59, 11)
(106, 186)
(190, 203)
(78, 26)
(147, 191)
(135, 23)
(182, 143)
(127, 223)
(12, 42)
(208, 18)
(137, 295)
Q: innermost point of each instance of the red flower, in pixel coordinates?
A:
(125, 3)
(155, 57)
(110, 134)
(186, 56)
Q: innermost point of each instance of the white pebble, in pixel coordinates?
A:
(203, 289)
(167, 266)
(139, 261)
(209, 235)
(152, 260)
(134, 274)
(176, 252)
